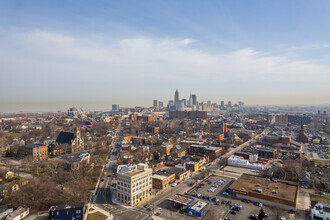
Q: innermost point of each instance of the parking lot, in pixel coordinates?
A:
(212, 187)
(223, 203)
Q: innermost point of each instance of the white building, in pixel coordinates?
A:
(18, 214)
(73, 113)
(238, 161)
(320, 210)
(134, 186)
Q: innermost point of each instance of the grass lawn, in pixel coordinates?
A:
(96, 216)
(327, 136)
(319, 198)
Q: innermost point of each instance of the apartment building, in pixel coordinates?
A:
(36, 151)
(134, 186)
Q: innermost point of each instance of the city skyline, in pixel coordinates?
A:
(89, 54)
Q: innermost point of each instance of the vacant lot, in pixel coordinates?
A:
(96, 216)
(319, 198)
(327, 136)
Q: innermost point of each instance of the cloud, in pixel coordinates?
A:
(310, 47)
(160, 60)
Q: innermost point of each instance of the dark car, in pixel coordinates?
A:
(182, 211)
(191, 184)
(102, 180)
(224, 202)
(292, 211)
(233, 212)
(235, 208)
(244, 200)
(146, 206)
(229, 202)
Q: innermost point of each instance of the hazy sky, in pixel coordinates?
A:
(56, 54)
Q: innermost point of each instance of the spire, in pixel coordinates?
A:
(302, 126)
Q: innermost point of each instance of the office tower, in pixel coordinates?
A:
(180, 105)
(229, 103)
(222, 105)
(176, 97)
(190, 102)
(185, 102)
(241, 104)
(161, 104)
(170, 102)
(156, 103)
(208, 102)
(194, 99)
(115, 107)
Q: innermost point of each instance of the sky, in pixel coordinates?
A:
(91, 54)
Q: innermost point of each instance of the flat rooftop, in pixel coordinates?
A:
(285, 190)
(181, 199)
(133, 173)
(160, 177)
(198, 206)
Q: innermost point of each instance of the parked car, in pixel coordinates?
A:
(225, 194)
(224, 202)
(235, 208)
(255, 217)
(174, 184)
(232, 212)
(146, 206)
(238, 205)
(292, 211)
(182, 211)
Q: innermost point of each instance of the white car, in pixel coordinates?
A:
(174, 184)
(260, 204)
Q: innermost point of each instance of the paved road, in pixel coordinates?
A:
(104, 194)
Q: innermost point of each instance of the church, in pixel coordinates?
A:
(73, 141)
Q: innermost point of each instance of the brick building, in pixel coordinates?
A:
(202, 150)
(188, 114)
(36, 151)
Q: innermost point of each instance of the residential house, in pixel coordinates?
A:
(72, 211)
(18, 214)
(4, 211)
